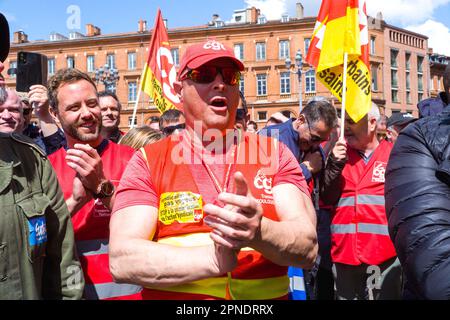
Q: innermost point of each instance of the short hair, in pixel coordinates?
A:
(3, 95)
(321, 110)
(374, 112)
(154, 119)
(251, 122)
(112, 95)
(170, 115)
(61, 77)
(139, 137)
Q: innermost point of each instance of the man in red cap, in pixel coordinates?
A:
(211, 212)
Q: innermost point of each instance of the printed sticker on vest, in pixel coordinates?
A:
(183, 207)
(379, 170)
(38, 231)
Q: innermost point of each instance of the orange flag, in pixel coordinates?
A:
(159, 72)
(341, 28)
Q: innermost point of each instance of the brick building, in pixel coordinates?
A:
(262, 45)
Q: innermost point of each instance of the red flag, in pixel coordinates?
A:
(159, 72)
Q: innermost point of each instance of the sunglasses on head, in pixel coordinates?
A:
(207, 74)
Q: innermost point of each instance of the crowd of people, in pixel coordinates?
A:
(200, 204)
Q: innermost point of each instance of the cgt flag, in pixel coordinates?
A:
(341, 28)
(159, 72)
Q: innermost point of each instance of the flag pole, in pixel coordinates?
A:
(136, 103)
(344, 96)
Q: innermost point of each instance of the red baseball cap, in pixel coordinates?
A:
(201, 53)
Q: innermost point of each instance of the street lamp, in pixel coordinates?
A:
(108, 76)
(299, 64)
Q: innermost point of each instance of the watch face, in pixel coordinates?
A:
(107, 188)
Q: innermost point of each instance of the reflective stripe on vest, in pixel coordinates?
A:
(361, 199)
(109, 290)
(370, 199)
(379, 229)
(346, 202)
(92, 247)
(248, 289)
(252, 289)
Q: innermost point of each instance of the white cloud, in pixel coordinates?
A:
(271, 9)
(438, 33)
(405, 12)
(416, 14)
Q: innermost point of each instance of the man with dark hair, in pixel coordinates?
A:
(111, 108)
(37, 253)
(304, 135)
(88, 171)
(433, 106)
(171, 120)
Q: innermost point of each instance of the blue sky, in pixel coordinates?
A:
(39, 18)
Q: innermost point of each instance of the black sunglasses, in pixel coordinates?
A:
(170, 129)
(207, 74)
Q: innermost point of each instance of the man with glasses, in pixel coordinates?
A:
(304, 135)
(171, 121)
(212, 212)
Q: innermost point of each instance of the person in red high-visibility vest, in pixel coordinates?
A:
(88, 171)
(365, 262)
(211, 212)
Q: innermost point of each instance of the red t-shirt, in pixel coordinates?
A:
(92, 220)
(136, 187)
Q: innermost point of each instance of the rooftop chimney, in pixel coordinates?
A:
(252, 15)
(20, 37)
(142, 26)
(299, 10)
(92, 30)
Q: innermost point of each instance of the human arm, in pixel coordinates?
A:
(88, 165)
(291, 241)
(134, 258)
(331, 182)
(63, 277)
(38, 97)
(418, 208)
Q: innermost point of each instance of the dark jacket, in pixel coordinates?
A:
(417, 192)
(37, 250)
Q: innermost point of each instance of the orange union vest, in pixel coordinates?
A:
(255, 277)
(359, 231)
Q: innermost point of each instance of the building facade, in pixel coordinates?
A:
(399, 63)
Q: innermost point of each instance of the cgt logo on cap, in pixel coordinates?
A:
(214, 45)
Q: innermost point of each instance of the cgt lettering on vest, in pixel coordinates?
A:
(358, 76)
